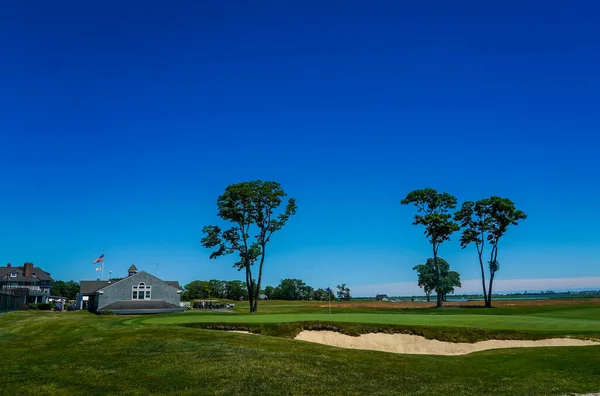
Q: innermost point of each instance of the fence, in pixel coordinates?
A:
(14, 300)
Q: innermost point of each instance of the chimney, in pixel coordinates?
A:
(28, 269)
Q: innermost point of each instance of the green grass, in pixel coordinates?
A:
(556, 325)
(83, 354)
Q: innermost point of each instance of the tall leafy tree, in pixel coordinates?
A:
(217, 288)
(67, 289)
(319, 294)
(487, 220)
(236, 290)
(427, 278)
(196, 290)
(269, 292)
(343, 292)
(433, 212)
(252, 207)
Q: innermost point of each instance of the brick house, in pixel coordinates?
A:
(33, 280)
(138, 293)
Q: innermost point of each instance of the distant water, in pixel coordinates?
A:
(481, 299)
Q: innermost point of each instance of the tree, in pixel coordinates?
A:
(435, 208)
(236, 290)
(269, 292)
(306, 293)
(251, 207)
(196, 290)
(343, 292)
(428, 279)
(319, 294)
(487, 220)
(68, 289)
(218, 288)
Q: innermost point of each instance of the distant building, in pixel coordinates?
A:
(138, 293)
(381, 297)
(31, 280)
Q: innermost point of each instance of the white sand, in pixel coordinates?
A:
(239, 331)
(412, 344)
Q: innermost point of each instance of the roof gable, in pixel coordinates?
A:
(175, 284)
(141, 274)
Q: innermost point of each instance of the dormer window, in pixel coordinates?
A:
(13, 274)
(141, 291)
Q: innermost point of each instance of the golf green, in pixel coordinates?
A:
(497, 322)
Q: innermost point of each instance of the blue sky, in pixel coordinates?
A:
(121, 123)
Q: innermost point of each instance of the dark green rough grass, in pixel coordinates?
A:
(83, 354)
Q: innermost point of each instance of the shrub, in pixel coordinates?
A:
(106, 312)
(44, 306)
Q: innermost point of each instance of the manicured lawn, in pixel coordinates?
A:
(83, 354)
(496, 322)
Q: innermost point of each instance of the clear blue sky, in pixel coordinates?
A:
(121, 123)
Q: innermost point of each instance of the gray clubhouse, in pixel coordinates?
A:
(138, 293)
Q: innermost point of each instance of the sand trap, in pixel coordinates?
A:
(239, 331)
(412, 344)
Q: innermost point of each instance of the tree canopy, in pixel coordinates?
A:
(252, 208)
(67, 289)
(427, 277)
(433, 212)
(199, 289)
(343, 292)
(487, 220)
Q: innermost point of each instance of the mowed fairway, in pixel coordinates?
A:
(83, 354)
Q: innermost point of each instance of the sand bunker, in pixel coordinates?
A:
(239, 331)
(412, 344)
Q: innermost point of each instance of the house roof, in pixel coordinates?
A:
(175, 284)
(133, 268)
(38, 274)
(91, 287)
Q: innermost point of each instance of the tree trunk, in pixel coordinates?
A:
(488, 302)
(439, 303)
(485, 297)
(260, 269)
(428, 296)
(249, 286)
(493, 262)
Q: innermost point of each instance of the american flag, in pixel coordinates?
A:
(99, 259)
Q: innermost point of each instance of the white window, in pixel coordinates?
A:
(13, 274)
(141, 291)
